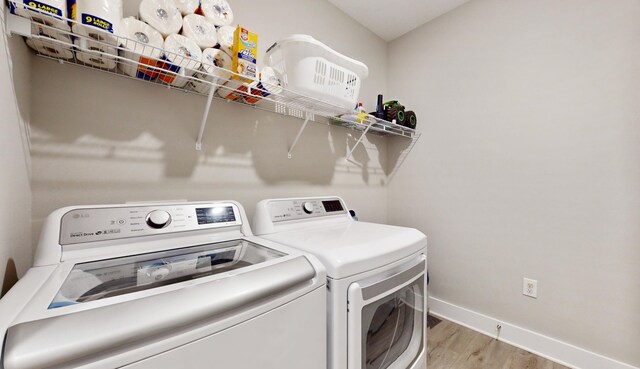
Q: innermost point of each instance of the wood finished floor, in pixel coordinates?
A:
(451, 346)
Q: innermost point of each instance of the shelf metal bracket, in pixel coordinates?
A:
(295, 140)
(358, 142)
(205, 116)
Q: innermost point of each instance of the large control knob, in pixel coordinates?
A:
(307, 207)
(158, 219)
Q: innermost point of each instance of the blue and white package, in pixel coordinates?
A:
(95, 54)
(97, 19)
(53, 13)
(50, 42)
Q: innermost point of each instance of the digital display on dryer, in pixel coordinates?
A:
(333, 205)
(220, 214)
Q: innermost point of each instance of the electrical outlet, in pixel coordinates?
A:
(530, 288)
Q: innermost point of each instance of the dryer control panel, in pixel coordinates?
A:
(294, 209)
(99, 224)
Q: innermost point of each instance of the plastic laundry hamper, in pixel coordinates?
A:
(311, 68)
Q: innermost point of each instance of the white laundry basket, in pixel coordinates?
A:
(311, 68)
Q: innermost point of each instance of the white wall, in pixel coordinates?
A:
(15, 192)
(101, 139)
(529, 163)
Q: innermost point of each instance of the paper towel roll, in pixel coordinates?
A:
(95, 54)
(187, 7)
(97, 19)
(225, 39)
(47, 41)
(236, 90)
(163, 15)
(142, 44)
(49, 12)
(182, 58)
(201, 30)
(269, 85)
(216, 68)
(217, 10)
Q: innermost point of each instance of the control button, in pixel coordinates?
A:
(158, 219)
(121, 221)
(307, 207)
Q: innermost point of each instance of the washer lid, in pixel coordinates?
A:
(76, 339)
(96, 280)
(349, 248)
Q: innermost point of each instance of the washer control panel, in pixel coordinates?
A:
(109, 223)
(294, 209)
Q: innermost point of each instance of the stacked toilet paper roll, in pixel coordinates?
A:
(182, 58)
(95, 54)
(216, 68)
(187, 7)
(142, 44)
(97, 19)
(49, 12)
(201, 30)
(49, 42)
(225, 39)
(163, 15)
(218, 11)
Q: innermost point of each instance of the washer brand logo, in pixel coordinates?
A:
(81, 234)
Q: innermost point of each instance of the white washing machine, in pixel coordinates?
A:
(181, 285)
(375, 277)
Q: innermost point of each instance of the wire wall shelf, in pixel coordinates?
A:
(66, 41)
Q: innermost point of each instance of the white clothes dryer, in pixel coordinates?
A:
(376, 277)
(180, 285)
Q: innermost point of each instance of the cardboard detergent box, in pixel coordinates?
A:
(245, 55)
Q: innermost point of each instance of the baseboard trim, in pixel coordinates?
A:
(541, 345)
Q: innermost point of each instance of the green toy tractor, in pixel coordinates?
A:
(393, 110)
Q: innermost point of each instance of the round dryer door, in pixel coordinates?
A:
(386, 328)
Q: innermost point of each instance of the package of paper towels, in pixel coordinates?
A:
(187, 7)
(49, 12)
(201, 30)
(142, 44)
(218, 11)
(216, 68)
(95, 54)
(49, 42)
(97, 19)
(163, 15)
(182, 58)
(225, 39)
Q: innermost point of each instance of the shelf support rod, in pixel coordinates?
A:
(295, 140)
(204, 118)
(358, 142)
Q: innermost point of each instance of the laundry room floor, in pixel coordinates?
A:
(451, 346)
